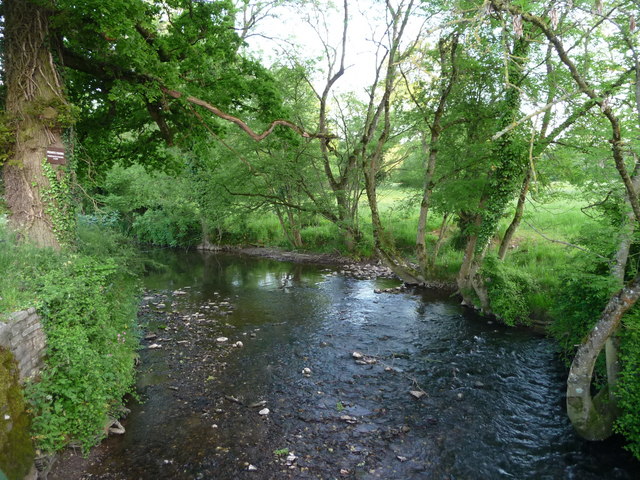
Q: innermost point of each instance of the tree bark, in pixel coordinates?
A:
(431, 263)
(421, 245)
(517, 218)
(593, 417)
(34, 103)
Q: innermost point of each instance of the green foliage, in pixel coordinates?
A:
(508, 289)
(156, 208)
(585, 285)
(628, 423)
(22, 266)
(87, 301)
(88, 312)
(173, 228)
(7, 137)
(59, 204)
(578, 306)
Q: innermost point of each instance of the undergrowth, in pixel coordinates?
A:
(87, 300)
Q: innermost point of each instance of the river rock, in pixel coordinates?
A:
(264, 411)
(222, 339)
(357, 355)
(306, 371)
(417, 394)
(252, 468)
(154, 346)
(348, 419)
(116, 427)
(238, 344)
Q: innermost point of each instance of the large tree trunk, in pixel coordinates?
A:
(471, 263)
(34, 104)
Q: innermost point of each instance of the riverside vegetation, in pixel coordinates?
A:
(495, 146)
(87, 299)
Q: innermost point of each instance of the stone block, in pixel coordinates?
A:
(5, 335)
(18, 316)
(39, 340)
(24, 364)
(29, 330)
(21, 351)
(18, 327)
(15, 341)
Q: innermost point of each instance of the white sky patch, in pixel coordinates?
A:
(299, 34)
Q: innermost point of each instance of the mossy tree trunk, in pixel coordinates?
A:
(593, 417)
(430, 148)
(34, 104)
(517, 218)
(509, 157)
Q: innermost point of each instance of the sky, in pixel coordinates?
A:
(292, 31)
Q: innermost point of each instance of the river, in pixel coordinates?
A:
(487, 401)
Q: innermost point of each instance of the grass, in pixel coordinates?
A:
(22, 266)
(558, 218)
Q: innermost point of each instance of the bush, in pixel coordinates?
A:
(628, 423)
(88, 313)
(579, 303)
(508, 289)
(87, 301)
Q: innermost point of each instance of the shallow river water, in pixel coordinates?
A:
(493, 397)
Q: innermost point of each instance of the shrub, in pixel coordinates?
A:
(628, 423)
(508, 289)
(87, 301)
(88, 313)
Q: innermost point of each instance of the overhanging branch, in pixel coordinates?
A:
(230, 118)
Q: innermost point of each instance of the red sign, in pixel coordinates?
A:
(55, 156)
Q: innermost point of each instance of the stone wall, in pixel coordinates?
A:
(23, 336)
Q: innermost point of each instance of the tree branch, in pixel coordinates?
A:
(230, 118)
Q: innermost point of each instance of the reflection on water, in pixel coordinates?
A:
(494, 396)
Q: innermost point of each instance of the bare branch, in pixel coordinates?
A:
(542, 109)
(230, 118)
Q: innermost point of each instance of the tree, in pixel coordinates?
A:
(593, 417)
(139, 68)
(37, 112)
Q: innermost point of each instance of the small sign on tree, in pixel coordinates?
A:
(56, 155)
